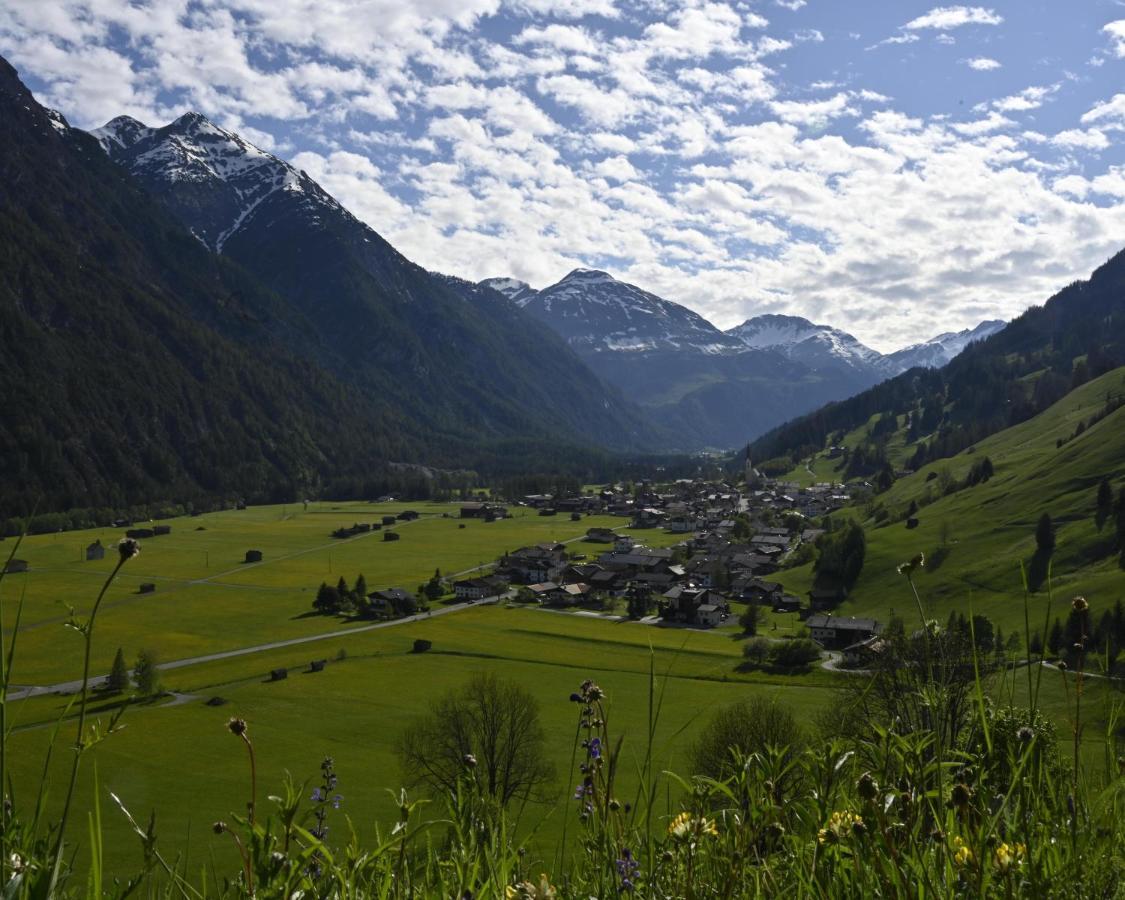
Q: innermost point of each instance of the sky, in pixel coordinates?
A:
(893, 168)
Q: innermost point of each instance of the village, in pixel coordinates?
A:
(735, 536)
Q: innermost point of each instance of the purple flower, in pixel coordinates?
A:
(595, 748)
(627, 868)
(317, 795)
(336, 801)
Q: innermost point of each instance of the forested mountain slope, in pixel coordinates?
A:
(1001, 381)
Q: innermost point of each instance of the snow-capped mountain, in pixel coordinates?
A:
(519, 292)
(939, 350)
(467, 362)
(595, 312)
(815, 345)
(711, 388)
(213, 179)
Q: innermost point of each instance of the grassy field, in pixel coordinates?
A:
(207, 599)
(181, 761)
(990, 528)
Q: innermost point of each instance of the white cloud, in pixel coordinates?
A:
(944, 18)
(992, 122)
(1109, 112)
(982, 63)
(530, 136)
(1029, 98)
(561, 37)
(618, 168)
(896, 39)
(1078, 138)
(1116, 32)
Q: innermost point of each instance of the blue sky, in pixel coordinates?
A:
(896, 169)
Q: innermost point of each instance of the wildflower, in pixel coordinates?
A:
(1079, 604)
(336, 801)
(962, 855)
(960, 795)
(525, 890)
(839, 826)
(594, 748)
(316, 796)
(128, 548)
(907, 568)
(1008, 856)
(575, 698)
(237, 726)
(1025, 735)
(219, 827)
(469, 760)
(627, 868)
(866, 787)
(688, 827)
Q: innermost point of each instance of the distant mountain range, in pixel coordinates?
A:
(184, 314)
(1011, 375)
(140, 363)
(710, 387)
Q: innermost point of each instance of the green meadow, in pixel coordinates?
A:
(989, 529)
(208, 600)
(181, 761)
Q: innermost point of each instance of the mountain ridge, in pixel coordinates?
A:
(459, 362)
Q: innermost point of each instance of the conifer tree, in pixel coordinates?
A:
(118, 679)
(1105, 503)
(1045, 536)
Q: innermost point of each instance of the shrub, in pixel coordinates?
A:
(798, 653)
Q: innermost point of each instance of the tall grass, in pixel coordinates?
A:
(894, 810)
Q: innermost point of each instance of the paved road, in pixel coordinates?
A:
(70, 687)
(20, 692)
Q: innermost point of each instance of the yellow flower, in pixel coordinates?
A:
(687, 827)
(525, 890)
(841, 825)
(962, 855)
(1009, 856)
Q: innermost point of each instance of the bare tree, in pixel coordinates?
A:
(491, 722)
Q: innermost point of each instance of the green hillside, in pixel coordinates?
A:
(989, 529)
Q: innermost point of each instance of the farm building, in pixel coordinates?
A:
(837, 632)
(95, 551)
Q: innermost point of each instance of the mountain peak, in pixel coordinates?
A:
(798, 338)
(120, 133)
(193, 122)
(587, 276)
(229, 177)
(939, 350)
(519, 292)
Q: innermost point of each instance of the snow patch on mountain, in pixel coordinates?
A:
(937, 351)
(233, 176)
(798, 338)
(593, 310)
(519, 292)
